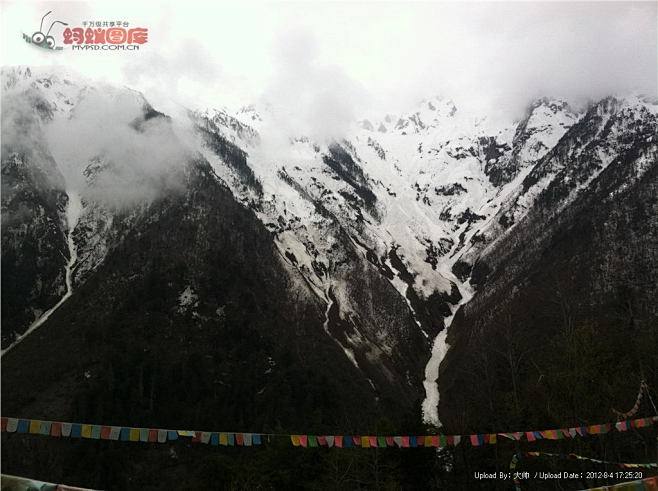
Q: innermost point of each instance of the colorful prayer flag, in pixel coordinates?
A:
(66, 429)
(86, 431)
(45, 428)
(35, 426)
(76, 430)
(115, 431)
(477, 440)
(56, 429)
(12, 425)
(95, 432)
(105, 432)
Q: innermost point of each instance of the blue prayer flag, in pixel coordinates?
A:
(76, 430)
(23, 426)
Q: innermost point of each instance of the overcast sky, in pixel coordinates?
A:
(359, 58)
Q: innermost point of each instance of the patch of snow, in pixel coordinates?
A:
(188, 298)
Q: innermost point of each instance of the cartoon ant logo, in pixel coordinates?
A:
(45, 40)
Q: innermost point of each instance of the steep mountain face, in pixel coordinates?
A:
(34, 249)
(191, 283)
(576, 250)
(208, 270)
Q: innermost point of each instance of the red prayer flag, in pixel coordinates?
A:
(357, 440)
(373, 441)
(405, 441)
(322, 440)
(435, 441)
(153, 435)
(105, 432)
(3, 425)
(389, 441)
(56, 429)
(530, 435)
(197, 436)
(239, 438)
(338, 441)
(420, 440)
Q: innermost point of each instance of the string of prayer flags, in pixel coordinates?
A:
(636, 406)
(230, 439)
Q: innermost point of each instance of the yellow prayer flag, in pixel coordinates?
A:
(35, 426)
(86, 431)
(134, 434)
(295, 440)
(223, 439)
(365, 442)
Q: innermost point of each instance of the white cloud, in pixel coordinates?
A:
(343, 57)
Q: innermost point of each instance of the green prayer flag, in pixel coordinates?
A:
(312, 441)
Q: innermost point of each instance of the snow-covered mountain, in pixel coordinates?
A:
(374, 235)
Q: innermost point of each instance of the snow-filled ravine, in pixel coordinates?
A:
(73, 212)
